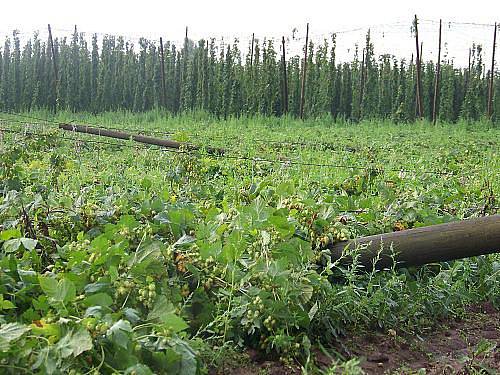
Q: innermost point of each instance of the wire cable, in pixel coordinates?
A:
(286, 162)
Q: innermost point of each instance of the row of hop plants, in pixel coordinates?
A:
(218, 78)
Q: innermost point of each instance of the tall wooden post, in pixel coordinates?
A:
(185, 48)
(417, 94)
(492, 75)
(436, 82)
(285, 79)
(304, 70)
(419, 78)
(361, 86)
(162, 67)
(251, 50)
(467, 74)
(54, 64)
(183, 74)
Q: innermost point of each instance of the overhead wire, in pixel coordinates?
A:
(152, 147)
(295, 38)
(285, 162)
(148, 132)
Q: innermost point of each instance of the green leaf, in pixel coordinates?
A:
(6, 304)
(285, 189)
(281, 224)
(163, 311)
(234, 247)
(306, 292)
(128, 221)
(131, 314)
(41, 303)
(77, 343)
(210, 249)
(189, 364)
(312, 312)
(98, 299)
(295, 251)
(48, 285)
(184, 240)
(119, 333)
(11, 246)
(148, 251)
(113, 273)
(10, 233)
(96, 287)
(10, 332)
(62, 291)
(28, 243)
(146, 183)
(174, 322)
(161, 307)
(179, 220)
(66, 291)
(15, 244)
(138, 369)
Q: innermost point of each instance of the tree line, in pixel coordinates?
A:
(113, 74)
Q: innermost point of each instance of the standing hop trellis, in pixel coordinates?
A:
(302, 103)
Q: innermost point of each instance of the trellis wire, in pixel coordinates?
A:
(241, 157)
(392, 38)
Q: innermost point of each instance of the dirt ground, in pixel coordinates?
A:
(467, 346)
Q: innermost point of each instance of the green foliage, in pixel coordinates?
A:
(108, 73)
(138, 261)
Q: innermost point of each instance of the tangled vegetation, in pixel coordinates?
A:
(116, 258)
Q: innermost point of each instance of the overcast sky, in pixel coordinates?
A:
(264, 17)
(232, 15)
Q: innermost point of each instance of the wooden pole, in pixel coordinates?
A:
(251, 50)
(419, 78)
(412, 71)
(137, 138)
(184, 63)
(285, 79)
(436, 82)
(361, 86)
(417, 94)
(162, 67)
(304, 70)
(492, 75)
(415, 247)
(467, 75)
(54, 64)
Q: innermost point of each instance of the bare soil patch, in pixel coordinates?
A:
(467, 346)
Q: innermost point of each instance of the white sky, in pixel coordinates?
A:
(264, 17)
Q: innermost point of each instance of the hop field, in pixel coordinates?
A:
(117, 257)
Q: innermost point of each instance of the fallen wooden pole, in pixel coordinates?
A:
(415, 247)
(137, 138)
